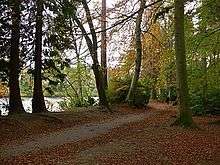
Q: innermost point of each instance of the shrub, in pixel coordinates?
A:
(118, 90)
(141, 97)
(163, 95)
(71, 103)
(212, 104)
(168, 95)
(196, 104)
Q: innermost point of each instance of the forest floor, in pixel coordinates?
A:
(128, 136)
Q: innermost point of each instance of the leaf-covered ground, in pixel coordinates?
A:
(150, 141)
(15, 128)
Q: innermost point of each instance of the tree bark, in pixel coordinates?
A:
(103, 45)
(38, 103)
(138, 45)
(15, 102)
(185, 116)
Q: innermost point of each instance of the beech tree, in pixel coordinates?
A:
(138, 47)
(185, 114)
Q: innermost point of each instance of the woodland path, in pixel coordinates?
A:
(141, 138)
(68, 135)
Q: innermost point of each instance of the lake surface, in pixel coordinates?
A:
(52, 104)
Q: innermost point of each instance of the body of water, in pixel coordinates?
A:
(52, 104)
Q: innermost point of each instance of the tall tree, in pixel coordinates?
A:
(103, 44)
(138, 47)
(185, 116)
(38, 103)
(93, 46)
(15, 103)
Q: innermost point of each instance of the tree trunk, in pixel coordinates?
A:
(205, 85)
(15, 103)
(99, 84)
(138, 45)
(38, 103)
(92, 46)
(185, 116)
(103, 45)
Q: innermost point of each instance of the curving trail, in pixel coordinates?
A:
(68, 135)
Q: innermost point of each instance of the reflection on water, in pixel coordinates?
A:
(52, 104)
